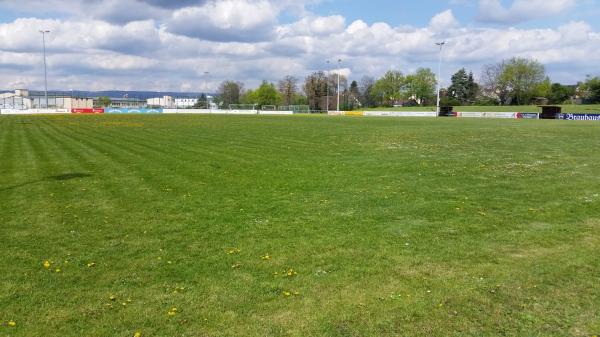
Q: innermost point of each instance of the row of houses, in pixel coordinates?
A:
(23, 99)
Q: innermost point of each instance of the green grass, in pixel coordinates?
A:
(594, 108)
(395, 227)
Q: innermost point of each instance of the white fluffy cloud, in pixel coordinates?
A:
(171, 48)
(226, 20)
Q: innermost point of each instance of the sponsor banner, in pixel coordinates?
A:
(276, 113)
(528, 115)
(401, 113)
(87, 111)
(132, 111)
(354, 113)
(580, 117)
(476, 114)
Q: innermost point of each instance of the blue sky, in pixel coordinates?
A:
(169, 45)
(418, 13)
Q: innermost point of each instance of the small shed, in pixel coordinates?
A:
(550, 112)
(446, 111)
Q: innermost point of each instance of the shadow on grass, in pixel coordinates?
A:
(69, 176)
(59, 177)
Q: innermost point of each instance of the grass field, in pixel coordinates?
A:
(590, 109)
(298, 226)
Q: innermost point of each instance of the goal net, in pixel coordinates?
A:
(295, 108)
(268, 108)
(242, 107)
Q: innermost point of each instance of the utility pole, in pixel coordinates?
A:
(44, 32)
(338, 85)
(327, 85)
(439, 81)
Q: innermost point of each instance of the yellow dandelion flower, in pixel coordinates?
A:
(91, 264)
(12, 324)
(286, 293)
(296, 293)
(57, 270)
(137, 334)
(46, 264)
(265, 257)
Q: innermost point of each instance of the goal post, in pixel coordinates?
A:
(242, 106)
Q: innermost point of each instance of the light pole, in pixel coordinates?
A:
(206, 73)
(439, 81)
(44, 32)
(338, 85)
(327, 85)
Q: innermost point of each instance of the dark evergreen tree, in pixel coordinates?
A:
(463, 88)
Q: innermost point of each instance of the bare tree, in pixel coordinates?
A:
(288, 87)
(315, 88)
(494, 84)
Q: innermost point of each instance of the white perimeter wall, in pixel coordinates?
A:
(401, 113)
(34, 111)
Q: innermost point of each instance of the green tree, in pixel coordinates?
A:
(463, 88)
(420, 86)
(249, 97)
(389, 88)
(267, 94)
(591, 90)
(543, 89)
(560, 94)
(104, 101)
(523, 77)
(201, 103)
(230, 93)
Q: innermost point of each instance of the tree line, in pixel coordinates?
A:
(515, 81)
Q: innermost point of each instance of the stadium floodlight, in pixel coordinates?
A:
(439, 80)
(206, 73)
(327, 85)
(44, 32)
(338, 85)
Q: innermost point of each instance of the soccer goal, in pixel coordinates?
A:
(299, 108)
(242, 106)
(268, 108)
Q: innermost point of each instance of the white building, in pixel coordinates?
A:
(185, 102)
(178, 103)
(22, 99)
(163, 102)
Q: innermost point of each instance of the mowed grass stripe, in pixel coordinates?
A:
(366, 214)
